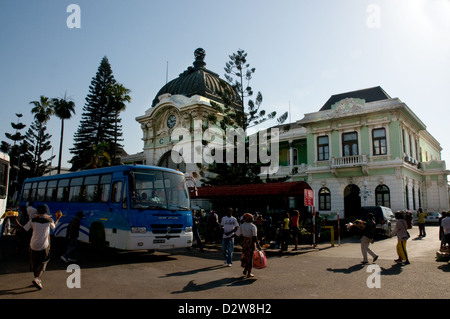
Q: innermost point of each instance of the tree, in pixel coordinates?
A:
(42, 110)
(118, 95)
(238, 74)
(39, 143)
(63, 109)
(98, 120)
(17, 153)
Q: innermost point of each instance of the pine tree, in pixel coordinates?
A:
(39, 143)
(98, 122)
(238, 75)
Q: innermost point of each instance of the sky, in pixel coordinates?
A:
(303, 52)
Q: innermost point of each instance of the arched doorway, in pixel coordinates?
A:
(167, 161)
(352, 200)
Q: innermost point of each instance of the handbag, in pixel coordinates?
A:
(259, 259)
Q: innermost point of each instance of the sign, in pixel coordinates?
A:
(309, 197)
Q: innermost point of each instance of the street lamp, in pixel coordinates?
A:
(365, 193)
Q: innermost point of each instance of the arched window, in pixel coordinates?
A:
(324, 199)
(382, 196)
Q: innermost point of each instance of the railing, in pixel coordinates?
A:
(348, 161)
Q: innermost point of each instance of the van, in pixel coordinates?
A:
(384, 218)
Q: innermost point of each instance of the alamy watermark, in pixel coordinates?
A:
(214, 145)
(374, 19)
(74, 19)
(374, 280)
(74, 279)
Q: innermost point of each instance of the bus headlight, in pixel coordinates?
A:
(138, 230)
(188, 229)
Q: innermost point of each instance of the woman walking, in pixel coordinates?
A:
(402, 236)
(249, 240)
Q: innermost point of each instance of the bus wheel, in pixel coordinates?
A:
(97, 234)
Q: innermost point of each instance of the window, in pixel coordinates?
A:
(116, 193)
(50, 195)
(379, 141)
(62, 193)
(105, 185)
(350, 144)
(91, 188)
(324, 199)
(41, 191)
(382, 196)
(323, 148)
(3, 179)
(407, 197)
(75, 189)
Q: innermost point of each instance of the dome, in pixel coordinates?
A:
(198, 80)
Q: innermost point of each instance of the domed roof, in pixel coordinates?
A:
(201, 81)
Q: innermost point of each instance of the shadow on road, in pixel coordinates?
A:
(223, 282)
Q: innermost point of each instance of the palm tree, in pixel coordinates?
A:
(118, 96)
(63, 110)
(100, 156)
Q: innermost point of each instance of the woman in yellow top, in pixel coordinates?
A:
(421, 222)
(285, 231)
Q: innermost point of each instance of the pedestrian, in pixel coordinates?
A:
(445, 223)
(318, 226)
(401, 230)
(421, 222)
(229, 226)
(40, 242)
(212, 227)
(295, 230)
(196, 226)
(249, 241)
(31, 211)
(367, 238)
(285, 231)
(72, 234)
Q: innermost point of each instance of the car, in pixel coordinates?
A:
(433, 217)
(384, 218)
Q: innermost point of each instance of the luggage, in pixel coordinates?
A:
(259, 259)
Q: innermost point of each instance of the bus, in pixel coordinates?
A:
(128, 207)
(4, 181)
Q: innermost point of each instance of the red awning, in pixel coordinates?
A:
(262, 189)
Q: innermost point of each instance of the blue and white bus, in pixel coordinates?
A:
(127, 207)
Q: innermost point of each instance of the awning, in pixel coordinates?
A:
(251, 190)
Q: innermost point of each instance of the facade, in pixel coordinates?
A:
(362, 148)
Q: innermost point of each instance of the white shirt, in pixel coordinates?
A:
(41, 231)
(247, 230)
(445, 223)
(228, 224)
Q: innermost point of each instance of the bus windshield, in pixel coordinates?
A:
(158, 190)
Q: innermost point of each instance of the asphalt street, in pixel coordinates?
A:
(323, 272)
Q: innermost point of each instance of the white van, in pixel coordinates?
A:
(384, 218)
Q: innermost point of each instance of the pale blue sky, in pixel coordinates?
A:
(303, 52)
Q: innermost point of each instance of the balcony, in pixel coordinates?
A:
(348, 161)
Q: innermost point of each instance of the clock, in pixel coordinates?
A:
(171, 121)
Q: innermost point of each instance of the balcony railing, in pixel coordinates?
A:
(348, 161)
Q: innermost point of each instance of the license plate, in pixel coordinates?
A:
(159, 241)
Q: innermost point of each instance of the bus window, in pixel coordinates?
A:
(75, 189)
(3, 180)
(26, 191)
(40, 195)
(33, 191)
(50, 195)
(62, 193)
(105, 185)
(176, 192)
(91, 188)
(116, 193)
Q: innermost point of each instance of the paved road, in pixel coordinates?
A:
(321, 273)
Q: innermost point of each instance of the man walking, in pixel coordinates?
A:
(367, 238)
(229, 225)
(40, 242)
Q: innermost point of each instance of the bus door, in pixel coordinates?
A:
(117, 204)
